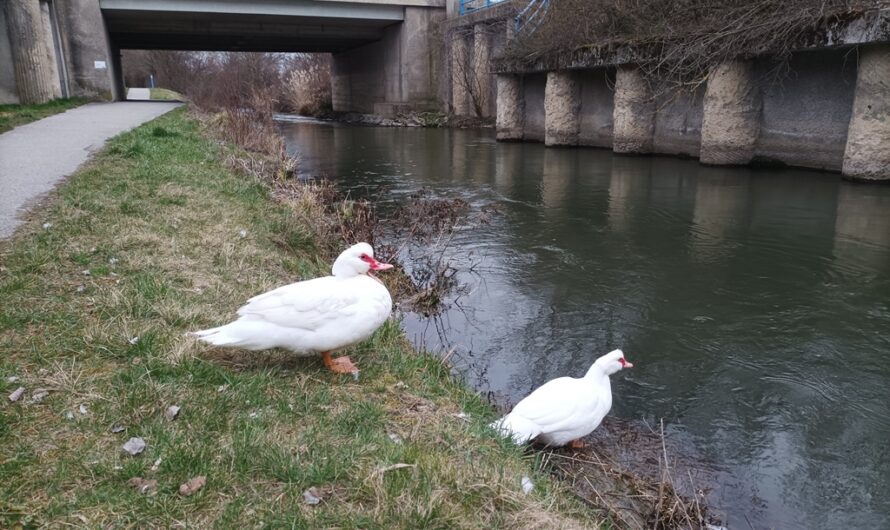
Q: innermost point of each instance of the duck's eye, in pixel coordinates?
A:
(365, 257)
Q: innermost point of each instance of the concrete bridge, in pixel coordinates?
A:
(385, 53)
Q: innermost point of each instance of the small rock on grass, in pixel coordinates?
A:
(134, 446)
(143, 485)
(156, 465)
(39, 395)
(395, 438)
(311, 496)
(83, 410)
(17, 394)
(116, 428)
(527, 485)
(12, 379)
(172, 412)
(192, 486)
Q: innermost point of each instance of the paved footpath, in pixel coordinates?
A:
(138, 94)
(37, 156)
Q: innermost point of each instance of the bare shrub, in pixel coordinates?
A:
(677, 41)
(308, 85)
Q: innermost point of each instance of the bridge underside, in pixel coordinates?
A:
(313, 31)
(386, 56)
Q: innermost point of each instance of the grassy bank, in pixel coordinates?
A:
(164, 94)
(12, 116)
(155, 237)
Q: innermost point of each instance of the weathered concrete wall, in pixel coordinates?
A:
(533, 93)
(84, 41)
(562, 103)
(678, 124)
(510, 107)
(867, 153)
(633, 114)
(731, 121)
(460, 65)
(51, 60)
(597, 105)
(8, 93)
(805, 116)
(482, 68)
(399, 73)
(33, 70)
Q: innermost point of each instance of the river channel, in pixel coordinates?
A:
(754, 303)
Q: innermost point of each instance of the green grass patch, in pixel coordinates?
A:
(12, 116)
(165, 94)
(146, 243)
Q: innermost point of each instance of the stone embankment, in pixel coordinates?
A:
(831, 111)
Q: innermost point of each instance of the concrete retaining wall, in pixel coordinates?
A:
(8, 92)
(805, 115)
(597, 100)
(533, 90)
(399, 73)
(678, 122)
(84, 42)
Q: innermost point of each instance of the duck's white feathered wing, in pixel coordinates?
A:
(316, 315)
(555, 406)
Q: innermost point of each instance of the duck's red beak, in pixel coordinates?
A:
(378, 266)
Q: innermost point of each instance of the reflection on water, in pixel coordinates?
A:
(755, 304)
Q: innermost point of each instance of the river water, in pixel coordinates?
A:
(755, 304)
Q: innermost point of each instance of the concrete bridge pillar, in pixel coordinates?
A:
(510, 108)
(482, 67)
(633, 113)
(867, 155)
(731, 120)
(30, 57)
(562, 109)
(461, 76)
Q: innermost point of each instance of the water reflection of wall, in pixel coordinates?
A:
(862, 227)
(721, 198)
(629, 183)
(560, 170)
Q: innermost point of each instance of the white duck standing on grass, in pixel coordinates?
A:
(315, 316)
(565, 409)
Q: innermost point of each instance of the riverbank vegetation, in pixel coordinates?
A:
(677, 41)
(158, 235)
(12, 116)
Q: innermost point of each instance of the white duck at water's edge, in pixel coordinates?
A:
(314, 316)
(565, 409)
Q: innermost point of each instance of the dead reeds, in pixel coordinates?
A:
(675, 42)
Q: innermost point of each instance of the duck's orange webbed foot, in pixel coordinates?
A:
(340, 365)
(577, 444)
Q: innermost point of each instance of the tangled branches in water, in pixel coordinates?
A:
(675, 42)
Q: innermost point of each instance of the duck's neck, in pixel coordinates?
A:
(596, 374)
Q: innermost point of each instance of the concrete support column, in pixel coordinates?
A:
(731, 120)
(510, 108)
(482, 67)
(867, 153)
(634, 112)
(29, 54)
(461, 76)
(562, 109)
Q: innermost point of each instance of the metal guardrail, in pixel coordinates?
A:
(530, 17)
(471, 6)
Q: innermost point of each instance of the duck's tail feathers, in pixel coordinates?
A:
(216, 336)
(519, 429)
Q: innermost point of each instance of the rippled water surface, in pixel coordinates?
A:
(754, 303)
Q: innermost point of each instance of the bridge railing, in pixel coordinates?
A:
(530, 17)
(471, 6)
